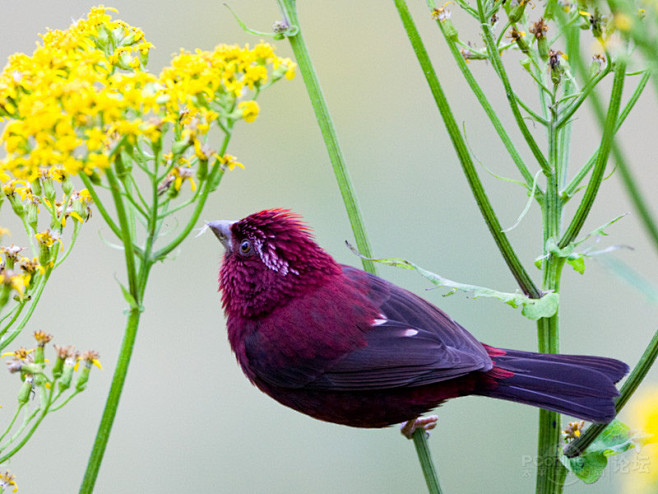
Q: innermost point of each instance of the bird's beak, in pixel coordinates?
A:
(222, 230)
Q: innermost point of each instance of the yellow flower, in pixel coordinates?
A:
(47, 238)
(250, 110)
(8, 480)
(642, 477)
(230, 162)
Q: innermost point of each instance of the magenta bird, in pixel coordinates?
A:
(344, 346)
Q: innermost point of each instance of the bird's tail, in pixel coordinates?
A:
(577, 385)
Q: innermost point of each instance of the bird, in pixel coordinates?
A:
(345, 346)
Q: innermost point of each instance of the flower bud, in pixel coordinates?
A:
(36, 187)
(32, 215)
(83, 378)
(598, 61)
(26, 389)
(4, 292)
(67, 374)
(67, 185)
(49, 191)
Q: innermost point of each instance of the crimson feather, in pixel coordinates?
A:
(345, 346)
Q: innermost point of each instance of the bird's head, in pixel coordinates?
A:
(270, 256)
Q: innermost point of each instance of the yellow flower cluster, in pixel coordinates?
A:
(216, 80)
(72, 90)
(84, 93)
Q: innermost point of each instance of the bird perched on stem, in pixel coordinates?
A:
(345, 346)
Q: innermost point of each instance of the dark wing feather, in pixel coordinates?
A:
(365, 334)
(417, 344)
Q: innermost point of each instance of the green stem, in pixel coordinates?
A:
(11, 425)
(99, 205)
(498, 66)
(35, 296)
(607, 137)
(112, 403)
(298, 45)
(214, 178)
(513, 262)
(34, 427)
(488, 109)
(426, 463)
(634, 379)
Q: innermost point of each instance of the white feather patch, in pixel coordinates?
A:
(270, 259)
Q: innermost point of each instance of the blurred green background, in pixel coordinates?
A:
(189, 421)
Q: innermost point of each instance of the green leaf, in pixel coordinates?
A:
(577, 262)
(536, 308)
(532, 308)
(616, 438)
(600, 231)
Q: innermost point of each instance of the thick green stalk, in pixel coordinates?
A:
(112, 403)
(513, 262)
(634, 379)
(426, 463)
(125, 353)
(550, 472)
(298, 45)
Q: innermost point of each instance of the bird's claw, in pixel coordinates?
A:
(426, 423)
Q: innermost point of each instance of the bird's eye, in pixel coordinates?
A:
(245, 247)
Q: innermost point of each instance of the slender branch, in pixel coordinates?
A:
(426, 463)
(99, 205)
(513, 262)
(601, 159)
(298, 45)
(497, 63)
(126, 229)
(112, 403)
(214, 177)
(571, 188)
(488, 109)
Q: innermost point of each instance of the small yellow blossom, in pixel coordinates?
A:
(20, 354)
(8, 480)
(15, 280)
(42, 337)
(250, 110)
(230, 162)
(47, 238)
(91, 357)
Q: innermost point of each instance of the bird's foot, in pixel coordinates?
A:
(426, 423)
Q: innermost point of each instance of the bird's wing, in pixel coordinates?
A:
(368, 335)
(412, 343)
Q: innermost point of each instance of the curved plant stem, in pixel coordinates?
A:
(518, 271)
(601, 159)
(488, 109)
(497, 63)
(112, 403)
(298, 45)
(426, 463)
